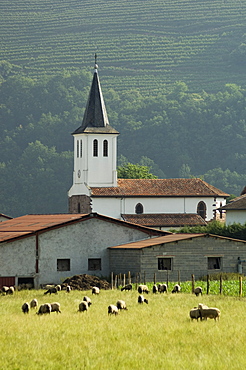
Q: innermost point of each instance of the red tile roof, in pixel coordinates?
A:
(159, 188)
(165, 219)
(238, 203)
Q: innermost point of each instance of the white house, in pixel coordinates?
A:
(41, 249)
(96, 187)
(235, 210)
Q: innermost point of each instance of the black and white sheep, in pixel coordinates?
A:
(51, 290)
(154, 289)
(121, 305)
(58, 287)
(162, 288)
(88, 300)
(195, 313)
(34, 303)
(143, 289)
(209, 312)
(25, 307)
(197, 291)
(4, 289)
(176, 288)
(127, 287)
(95, 290)
(55, 307)
(44, 308)
(83, 306)
(112, 310)
(68, 289)
(10, 290)
(141, 299)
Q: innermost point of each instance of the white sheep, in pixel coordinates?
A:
(44, 308)
(121, 305)
(88, 300)
(34, 303)
(198, 290)
(83, 306)
(210, 312)
(112, 310)
(176, 288)
(195, 313)
(25, 307)
(95, 290)
(143, 289)
(55, 307)
(141, 299)
(162, 288)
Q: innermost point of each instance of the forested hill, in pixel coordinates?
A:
(146, 44)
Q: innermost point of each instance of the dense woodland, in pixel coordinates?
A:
(173, 79)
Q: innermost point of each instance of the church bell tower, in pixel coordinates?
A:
(95, 151)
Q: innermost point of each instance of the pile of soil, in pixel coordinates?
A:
(86, 282)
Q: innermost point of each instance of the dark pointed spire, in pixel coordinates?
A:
(95, 117)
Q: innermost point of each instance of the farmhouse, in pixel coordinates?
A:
(96, 187)
(235, 210)
(177, 255)
(41, 249)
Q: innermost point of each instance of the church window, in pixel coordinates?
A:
(77, 148)
(80, 148)
(94, 264)
(201, 209)
(105, 148)
(95, 148)
(139, 209)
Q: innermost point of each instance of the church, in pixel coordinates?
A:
(158, 203)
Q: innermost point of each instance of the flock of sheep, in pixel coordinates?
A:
(201, 312)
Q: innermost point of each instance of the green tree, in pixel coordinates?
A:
(134, 171)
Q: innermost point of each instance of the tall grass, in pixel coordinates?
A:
(154, 336)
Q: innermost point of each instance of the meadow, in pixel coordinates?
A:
(154, 336)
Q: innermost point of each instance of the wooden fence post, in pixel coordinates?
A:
(179, 277)
(221, 284)
(167, 278)
(207, 284)
(192, 283)
(124, 279)
(129, 277)
(112, 280)
(115, 281)
(144, 278)
(154, 278)
(240, 286)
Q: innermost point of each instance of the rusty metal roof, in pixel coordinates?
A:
(165, 219)
(159, 188)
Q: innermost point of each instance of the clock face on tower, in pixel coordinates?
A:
(79, 173)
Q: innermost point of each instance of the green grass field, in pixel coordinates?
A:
(154, 336)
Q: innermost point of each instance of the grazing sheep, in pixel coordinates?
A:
(55, 307)
(10, 290)
(127, 287)
(195, 313)
(44, 308)
(5, 289)
(162, 288)
(141, 299)
(51, 290)
(176, 289)
(83, 306)
(68, 288)
(25, 307)
(112, 310)
(143, 289)
(121, 305)
(58, 287)
(34, 303)
(197, 291)
(155, 289)
(88, 300)
(95, 290)
(209, 312)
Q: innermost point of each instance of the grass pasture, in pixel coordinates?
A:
(154, 336)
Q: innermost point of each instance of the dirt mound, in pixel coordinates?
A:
(86, 282)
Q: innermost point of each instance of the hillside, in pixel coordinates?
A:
(141, 44)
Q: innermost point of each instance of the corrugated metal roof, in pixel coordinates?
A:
(159, 188)
(155, 241)
(165, 219)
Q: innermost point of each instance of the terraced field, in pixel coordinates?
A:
(140, 44)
